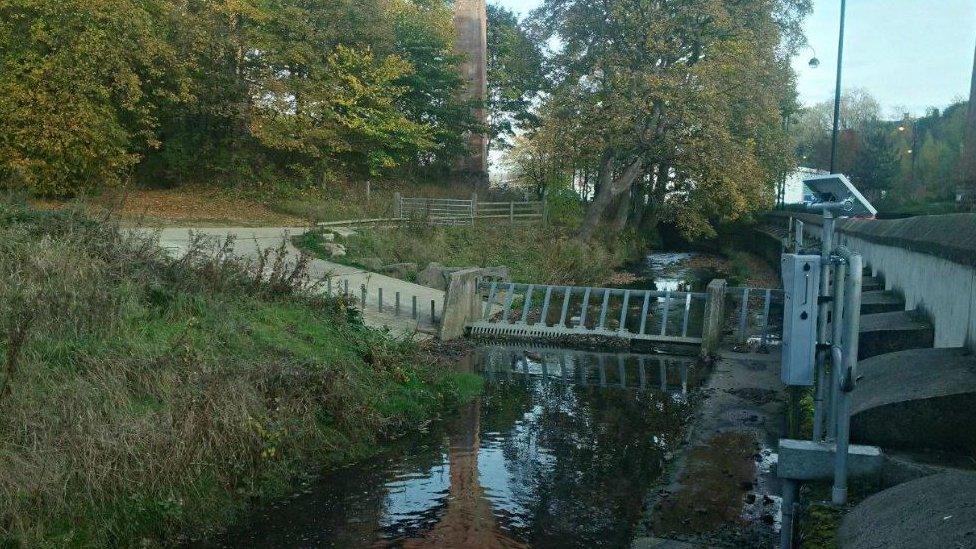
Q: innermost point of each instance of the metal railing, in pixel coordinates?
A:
(758, 315)
(452, 211)
(426, 314)
(530, 310)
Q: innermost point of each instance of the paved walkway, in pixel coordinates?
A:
(250, 241)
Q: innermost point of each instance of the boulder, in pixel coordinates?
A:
(371, 263)
(334, 250)
(495, 274)
(403, 271)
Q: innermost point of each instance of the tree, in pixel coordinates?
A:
(515, 75)
(81, 88)
(875, 163)
(682, 102)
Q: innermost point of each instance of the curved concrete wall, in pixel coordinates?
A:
(930, 260)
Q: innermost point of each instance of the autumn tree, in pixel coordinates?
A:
(681, 102)
(515, 76)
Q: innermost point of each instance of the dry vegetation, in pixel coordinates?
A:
(145, 399)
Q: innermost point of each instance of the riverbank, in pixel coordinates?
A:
(148, 399)
(532, 253)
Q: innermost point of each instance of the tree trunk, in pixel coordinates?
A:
(622, 213)
(610, 188)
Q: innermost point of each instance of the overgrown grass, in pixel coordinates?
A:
(146, 399)
(531, 252)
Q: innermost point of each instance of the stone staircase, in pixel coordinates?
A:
(912, 399)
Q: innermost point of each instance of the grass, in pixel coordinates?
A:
(532, 253)
(147, 400)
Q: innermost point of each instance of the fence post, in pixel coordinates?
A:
(474, 207)
(714, 316)
(545, 210)
(397, 205)
(511, 212)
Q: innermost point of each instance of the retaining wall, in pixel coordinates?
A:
(929, 260)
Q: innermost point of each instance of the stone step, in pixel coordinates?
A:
(872, 283)
(934, 511)
(880, 301)
(921, 399)
(891, 332)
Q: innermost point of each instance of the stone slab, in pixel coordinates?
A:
(935, 511)
(807, 460)
(880, 301)
(891, 332)
(917, 399)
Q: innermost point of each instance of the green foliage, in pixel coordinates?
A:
(144, 398)
(901, 164)
(248, 91)
(81, 86)
(515, 75)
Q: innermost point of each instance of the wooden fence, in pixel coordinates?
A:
(451, 211)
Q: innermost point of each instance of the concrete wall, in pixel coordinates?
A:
(929, 260)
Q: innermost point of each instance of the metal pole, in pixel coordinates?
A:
(840, 66)
(848, 377)
(789, 502)
(827, 242)
(837, 340)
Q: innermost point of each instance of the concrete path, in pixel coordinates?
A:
(251, 241)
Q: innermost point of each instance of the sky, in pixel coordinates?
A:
(909, 54)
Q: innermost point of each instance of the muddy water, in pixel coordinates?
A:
(559, 451)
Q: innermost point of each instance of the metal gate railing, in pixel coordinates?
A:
(758, 315)
(529, 310)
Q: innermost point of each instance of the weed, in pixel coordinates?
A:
(149, 399)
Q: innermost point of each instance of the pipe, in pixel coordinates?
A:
(827, 240)
(848, 376)
(837, 338)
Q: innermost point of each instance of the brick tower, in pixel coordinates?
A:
(471, 24)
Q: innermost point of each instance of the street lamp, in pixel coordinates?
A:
(840, 66)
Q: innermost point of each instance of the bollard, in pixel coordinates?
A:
(396, 305)
(346, 287)
(414, 313)
(379, 300)
(433, 310)
(328, 286)
(364, 296)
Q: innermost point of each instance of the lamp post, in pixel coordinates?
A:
(840, 66)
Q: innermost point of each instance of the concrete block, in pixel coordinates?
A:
(462, 303)
(807, 460)
(714, 317)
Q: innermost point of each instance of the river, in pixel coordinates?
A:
(560, 450)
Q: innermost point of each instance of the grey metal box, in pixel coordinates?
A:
(801, 284)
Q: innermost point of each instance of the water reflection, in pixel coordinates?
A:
(558, 452)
